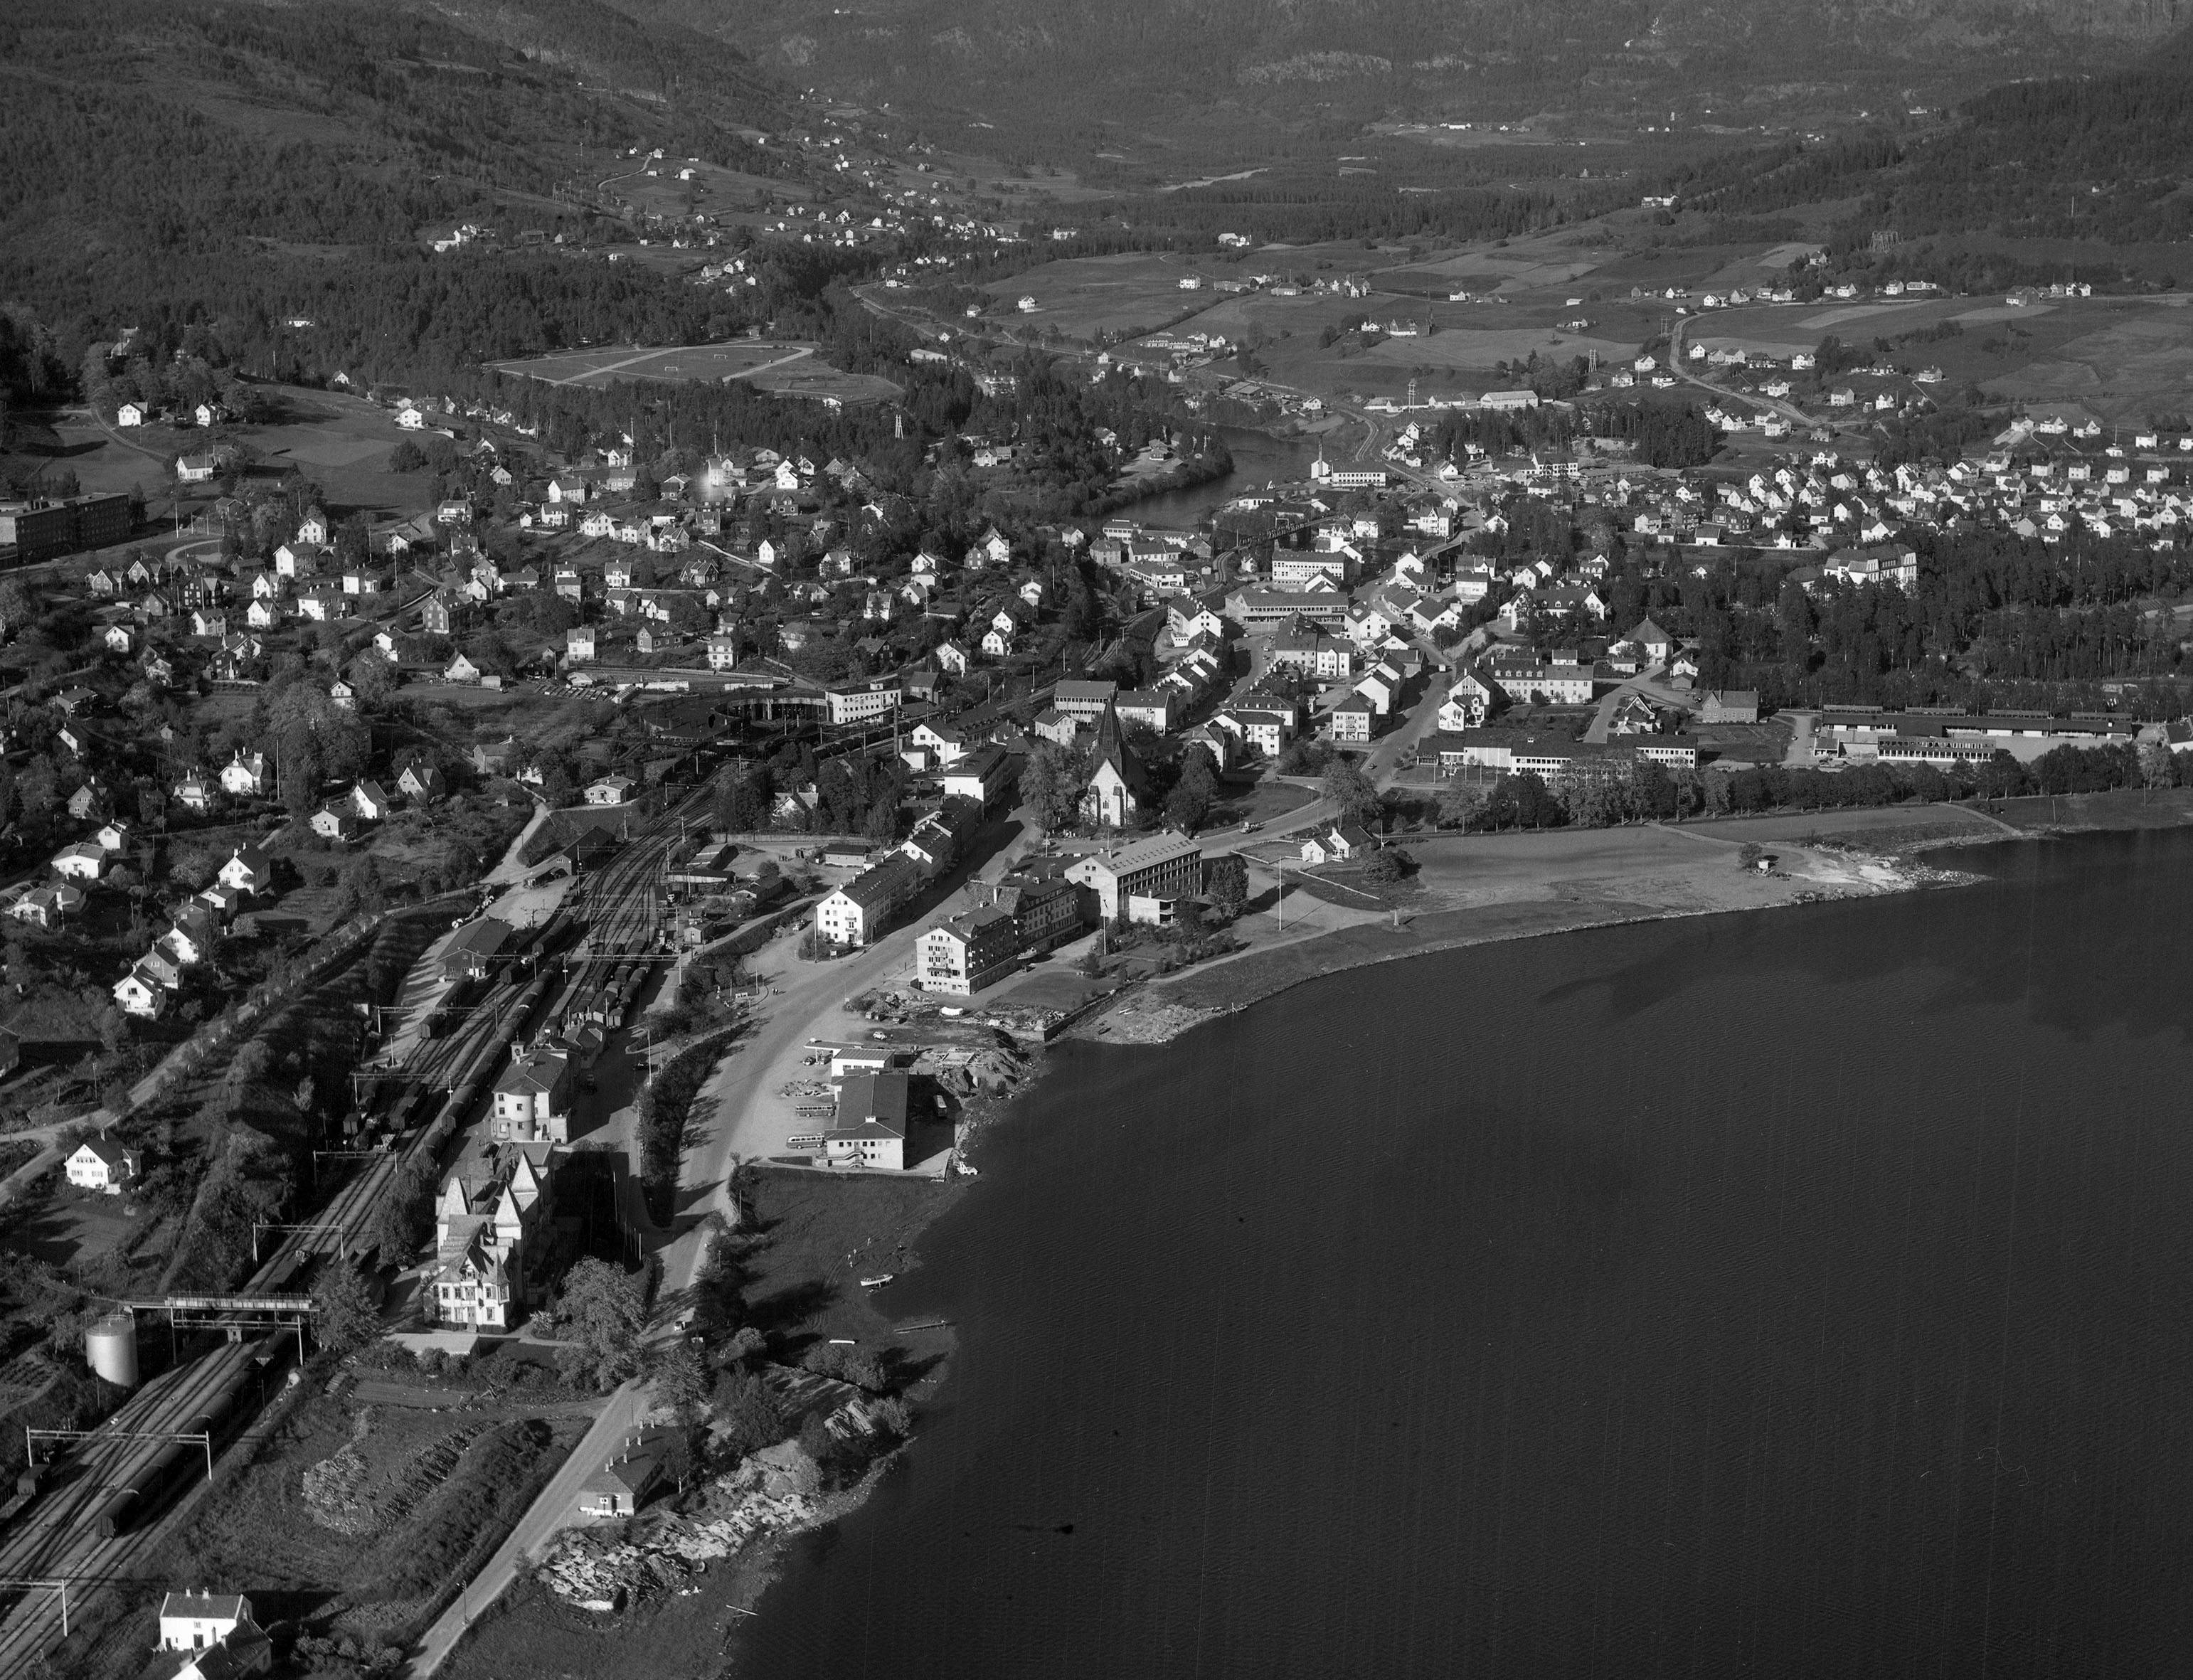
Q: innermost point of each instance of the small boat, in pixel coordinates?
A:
(878, 1280)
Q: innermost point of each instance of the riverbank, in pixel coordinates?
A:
(1481, 889)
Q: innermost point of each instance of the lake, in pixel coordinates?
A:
(1259, 458)
(1792, 1293)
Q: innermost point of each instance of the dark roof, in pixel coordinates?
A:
(1112, 749)
(871, 1104)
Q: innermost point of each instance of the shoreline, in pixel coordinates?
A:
(1838, 866)
(1159, 1011)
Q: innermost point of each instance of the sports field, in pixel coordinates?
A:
(602, 363)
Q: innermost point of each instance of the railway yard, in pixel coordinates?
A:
(97, 1503)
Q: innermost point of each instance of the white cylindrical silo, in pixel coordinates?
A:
(111, 1346)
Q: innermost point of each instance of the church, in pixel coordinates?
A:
(1117, 794)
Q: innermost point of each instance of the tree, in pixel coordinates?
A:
(681, 1380)
(346, 1316)
(2157, 765)
(747, 1417)
(1461, 805)
(372, 679)
(1051, 786)
(402, 1221)
(1187, 806)
(1227, 885)
(1388, 863)
(1347, 787)
(601, 1311)
(882, 825)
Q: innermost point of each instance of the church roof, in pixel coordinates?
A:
(1111, 748)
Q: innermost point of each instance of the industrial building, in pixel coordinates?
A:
(42, 530)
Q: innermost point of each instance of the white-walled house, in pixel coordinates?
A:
(101, 1165)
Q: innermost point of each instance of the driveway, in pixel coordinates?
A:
(1642, 683)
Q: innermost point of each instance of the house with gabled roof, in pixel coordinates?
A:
(141, 995)
(371, 801)
(246, 776)
(1336, 842)
(248, 870)
(101, 1163)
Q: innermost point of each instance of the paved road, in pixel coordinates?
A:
(1790, 411)
(511, 869)
(540, 1525)
(1800, 738)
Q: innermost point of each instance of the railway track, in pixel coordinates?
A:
(90, 1523)
(99, 1511)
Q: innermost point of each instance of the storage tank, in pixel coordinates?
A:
(111, 1346)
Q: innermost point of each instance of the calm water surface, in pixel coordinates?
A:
(1789, 1294)
(1259, 458)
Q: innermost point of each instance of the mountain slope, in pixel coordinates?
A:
(191, 166)
(1051, 68)
(2099, 158)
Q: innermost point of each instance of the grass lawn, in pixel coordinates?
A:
(815, 1236)
(1262, 800)
(73, 1228)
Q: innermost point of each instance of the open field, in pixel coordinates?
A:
(2116, 358)
(597, 365)
(712, 191)
(1085, 296)
(342, 443)
(782, 367)
(820, 380)
(817, 1235)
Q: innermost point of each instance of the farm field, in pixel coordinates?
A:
(341, 442)
(1121, 294)
(368, 1514)
(2117, 358)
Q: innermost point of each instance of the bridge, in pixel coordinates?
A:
(245, 1302)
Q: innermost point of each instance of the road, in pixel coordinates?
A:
(546, 1515)
(1598, 729)
(1676, 365)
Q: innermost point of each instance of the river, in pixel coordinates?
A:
(1795, 1294)
(1259, 458)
